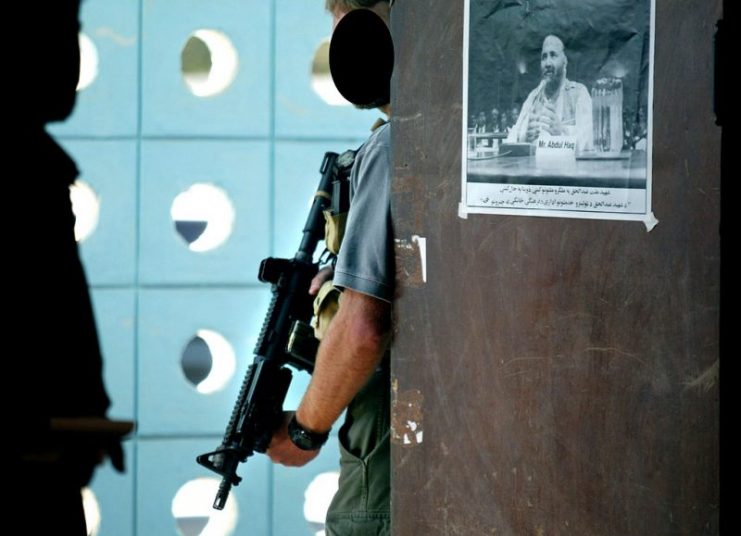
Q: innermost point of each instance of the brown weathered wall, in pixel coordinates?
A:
(563, 372)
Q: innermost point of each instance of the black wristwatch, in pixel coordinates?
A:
(303, 438)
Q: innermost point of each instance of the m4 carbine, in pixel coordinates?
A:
(286, 339)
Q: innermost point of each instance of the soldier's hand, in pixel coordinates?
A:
(325, 274)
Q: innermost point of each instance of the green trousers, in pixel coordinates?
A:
(361, 506)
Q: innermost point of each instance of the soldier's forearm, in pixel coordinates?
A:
(351, 350)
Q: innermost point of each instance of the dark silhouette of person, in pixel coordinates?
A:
(57, 413)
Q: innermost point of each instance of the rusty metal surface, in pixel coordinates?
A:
(556, 376)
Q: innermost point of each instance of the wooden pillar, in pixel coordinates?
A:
(555, 376)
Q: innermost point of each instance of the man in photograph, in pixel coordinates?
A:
(558, 106)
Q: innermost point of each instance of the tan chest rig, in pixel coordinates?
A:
(327, 301)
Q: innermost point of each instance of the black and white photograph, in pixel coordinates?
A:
(557, 108)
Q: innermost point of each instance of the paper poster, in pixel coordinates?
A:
(557, 115)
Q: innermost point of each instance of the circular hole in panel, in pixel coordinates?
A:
(321, 78)
(86, 207)
(208, 62)
(193, 512)
(88, 62)
(196, 361)
(92, 511)
(317, 496)
(208, 361)
(203, 216)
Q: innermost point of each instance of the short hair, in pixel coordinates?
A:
(332, 5)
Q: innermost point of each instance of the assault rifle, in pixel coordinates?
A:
(286, 339)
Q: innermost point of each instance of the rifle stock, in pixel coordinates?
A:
(259, 407)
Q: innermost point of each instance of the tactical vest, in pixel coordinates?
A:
(327, 301)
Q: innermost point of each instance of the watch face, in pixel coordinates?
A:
(304, 439)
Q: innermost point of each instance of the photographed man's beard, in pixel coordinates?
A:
(553, 79)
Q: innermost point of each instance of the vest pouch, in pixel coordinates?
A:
(326, 304)
(334, 230)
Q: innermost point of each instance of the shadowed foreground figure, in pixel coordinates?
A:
(56, 370)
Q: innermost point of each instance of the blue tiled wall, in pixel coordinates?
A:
(241, 169)
(115, 493)
(301, 26)
(109, 106)
(168, 107)
(140, 138)
(169, 318)
(165, 465)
